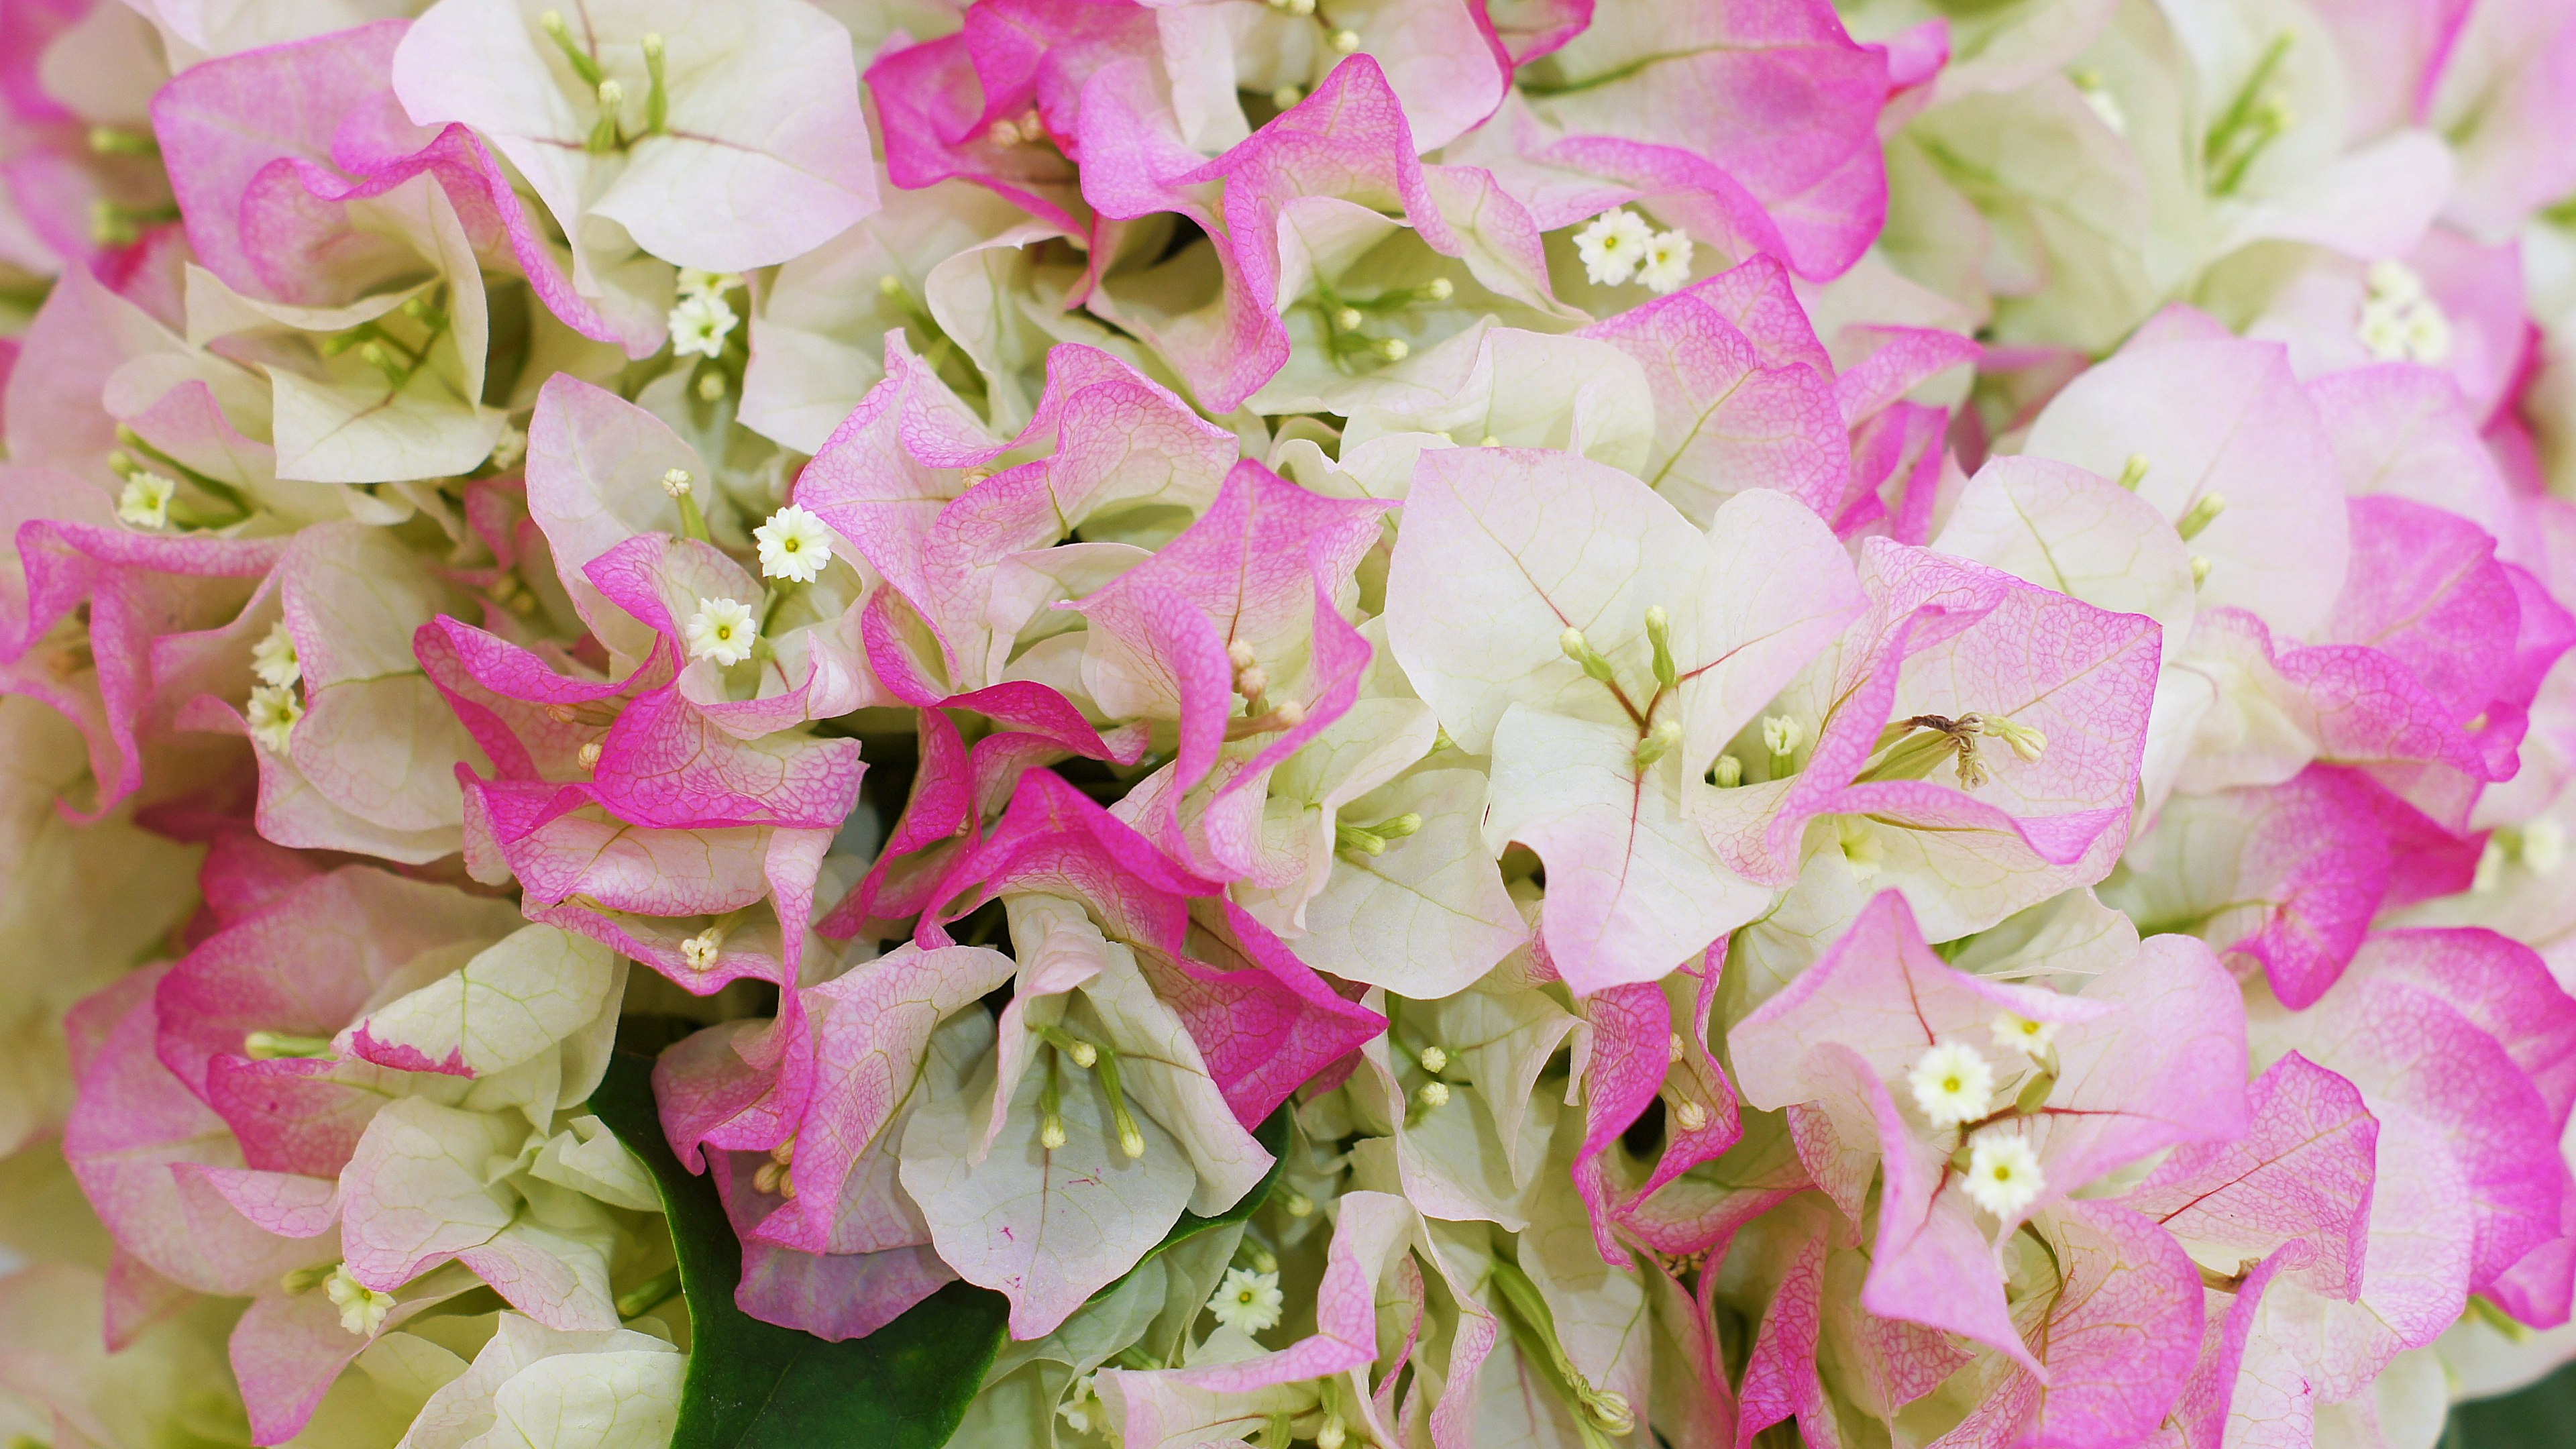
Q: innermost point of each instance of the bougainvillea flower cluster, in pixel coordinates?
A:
(1548, 724)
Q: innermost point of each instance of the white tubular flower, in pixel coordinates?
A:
(1081, 1409)
(700, 324)
(510, 448)
(695, 283)
(362, 1309)
(273, 711)
(145, 501)
(274, 659)
(722, 630)
(1613, 246)
(2015, 1032)
(1667, 263)
(1952, 1084)
(794, 545)
(2003, 1173)
(1247, 1300)
(1782, 734)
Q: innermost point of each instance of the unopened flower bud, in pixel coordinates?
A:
(1434, 1059)
(1433, 1094)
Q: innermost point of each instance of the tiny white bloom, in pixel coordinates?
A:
(701, 950)
(2428, 334)
(1782, 734)
(1952, 1084)
(2393, 281)
(1081, 1407)
(722, 630)
(510, 447)
(1613, 246)
(2003, 1173)
(793, 545)
(273, 711)
(362, 1309)
(700, 324)
(273, 658)
(1433, 1094)
(695, 283)
(1667, 264)
(1247, 1300)
(2382, 330)
(145, 501)
(2015, 1032)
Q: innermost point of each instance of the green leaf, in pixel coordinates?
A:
(2534, 1418)
(756, 1385)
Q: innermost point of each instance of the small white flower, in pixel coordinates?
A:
(1667, 264)
(273, 711)
(273, 658)
(362, 1309)
(1782, 734)
(1952, 1084)
(695, 283)
(510, 447)
(794, 544)
(1433, 1094)
(2003, 1173)
(2394, 282)
(701, 950)
(722, 630)
(145, 501)
(2428, 334)
(700, 324)
(1613, 246)
(1081, 1407)
(2015, 1032)
(1247, 1300)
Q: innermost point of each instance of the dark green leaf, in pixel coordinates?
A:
(755, 1385)
(2540, 1417)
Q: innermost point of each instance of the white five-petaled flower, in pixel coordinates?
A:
(700, 325)
(1613, 246)
(1667, 262)
(1952, 1084)
(362, 1309)
(1247, 1300)
(2003, 1173)
(2015, 1032)
(145, 500)
(273, 711)
(722, 630)
(794, 545)
(274, 659)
